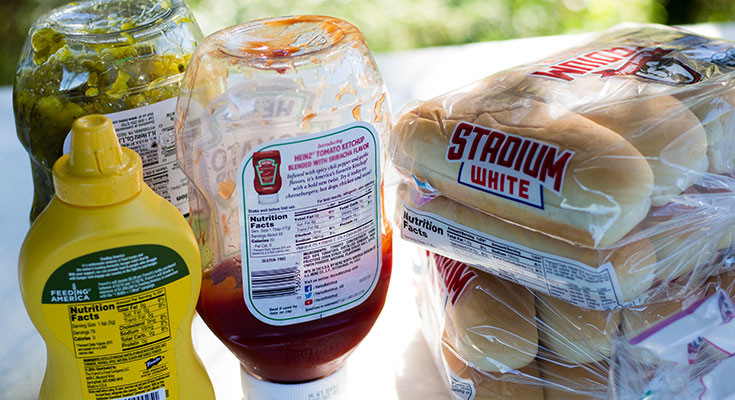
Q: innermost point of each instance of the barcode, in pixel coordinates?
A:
(274, 283)
(159, 394)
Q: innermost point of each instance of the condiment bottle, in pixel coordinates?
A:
(279, 128)
(109, 274)
(121, 58)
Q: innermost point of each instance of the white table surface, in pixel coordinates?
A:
(394, 361)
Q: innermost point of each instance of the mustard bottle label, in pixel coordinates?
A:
(111, 309)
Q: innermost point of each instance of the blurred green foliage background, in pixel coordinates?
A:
(403, 24)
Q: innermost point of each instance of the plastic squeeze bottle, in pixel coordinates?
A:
(110, 274)
(279, 128)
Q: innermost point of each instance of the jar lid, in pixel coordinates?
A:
(97, 171)
(332, 387)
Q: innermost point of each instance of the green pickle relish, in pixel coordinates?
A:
(101, 57)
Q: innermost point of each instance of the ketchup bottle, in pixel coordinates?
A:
(267, 180)
(279, 129)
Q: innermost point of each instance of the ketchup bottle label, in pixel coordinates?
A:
(310, 227)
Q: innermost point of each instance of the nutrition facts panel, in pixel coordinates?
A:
(125, 324)
(335, 222)
(145, 320)
(522, 266)
(570, 280)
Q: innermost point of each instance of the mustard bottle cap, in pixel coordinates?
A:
(97, 171)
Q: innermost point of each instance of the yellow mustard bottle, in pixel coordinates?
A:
(110, 273)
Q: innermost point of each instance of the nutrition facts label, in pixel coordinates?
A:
(125, 340)
(570, 280)
(335, 223)
(311, 239)
(136, 320)
(145, 320)
(113, 310)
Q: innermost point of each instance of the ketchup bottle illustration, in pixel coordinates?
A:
(267, 180)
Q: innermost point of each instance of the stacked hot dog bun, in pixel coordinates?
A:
(490, 322)
(494, 385)
(576, 334)
(572, 381)
(581, 164)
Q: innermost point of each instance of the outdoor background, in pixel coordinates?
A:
(403, 24)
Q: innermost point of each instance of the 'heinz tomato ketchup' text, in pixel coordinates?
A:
(510, 166)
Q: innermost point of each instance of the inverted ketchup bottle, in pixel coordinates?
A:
(279, 129)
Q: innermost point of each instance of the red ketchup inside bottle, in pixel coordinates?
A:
(293, 353)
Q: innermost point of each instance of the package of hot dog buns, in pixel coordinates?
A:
(603, 176)
(495, 339)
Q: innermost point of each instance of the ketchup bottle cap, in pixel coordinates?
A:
(268, 198)
(332, 387)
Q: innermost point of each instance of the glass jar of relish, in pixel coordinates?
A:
(121, 58)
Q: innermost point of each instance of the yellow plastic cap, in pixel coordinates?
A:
(97, 171)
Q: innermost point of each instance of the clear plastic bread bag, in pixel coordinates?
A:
(494, 339)
(489, 341)
(602, 176)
